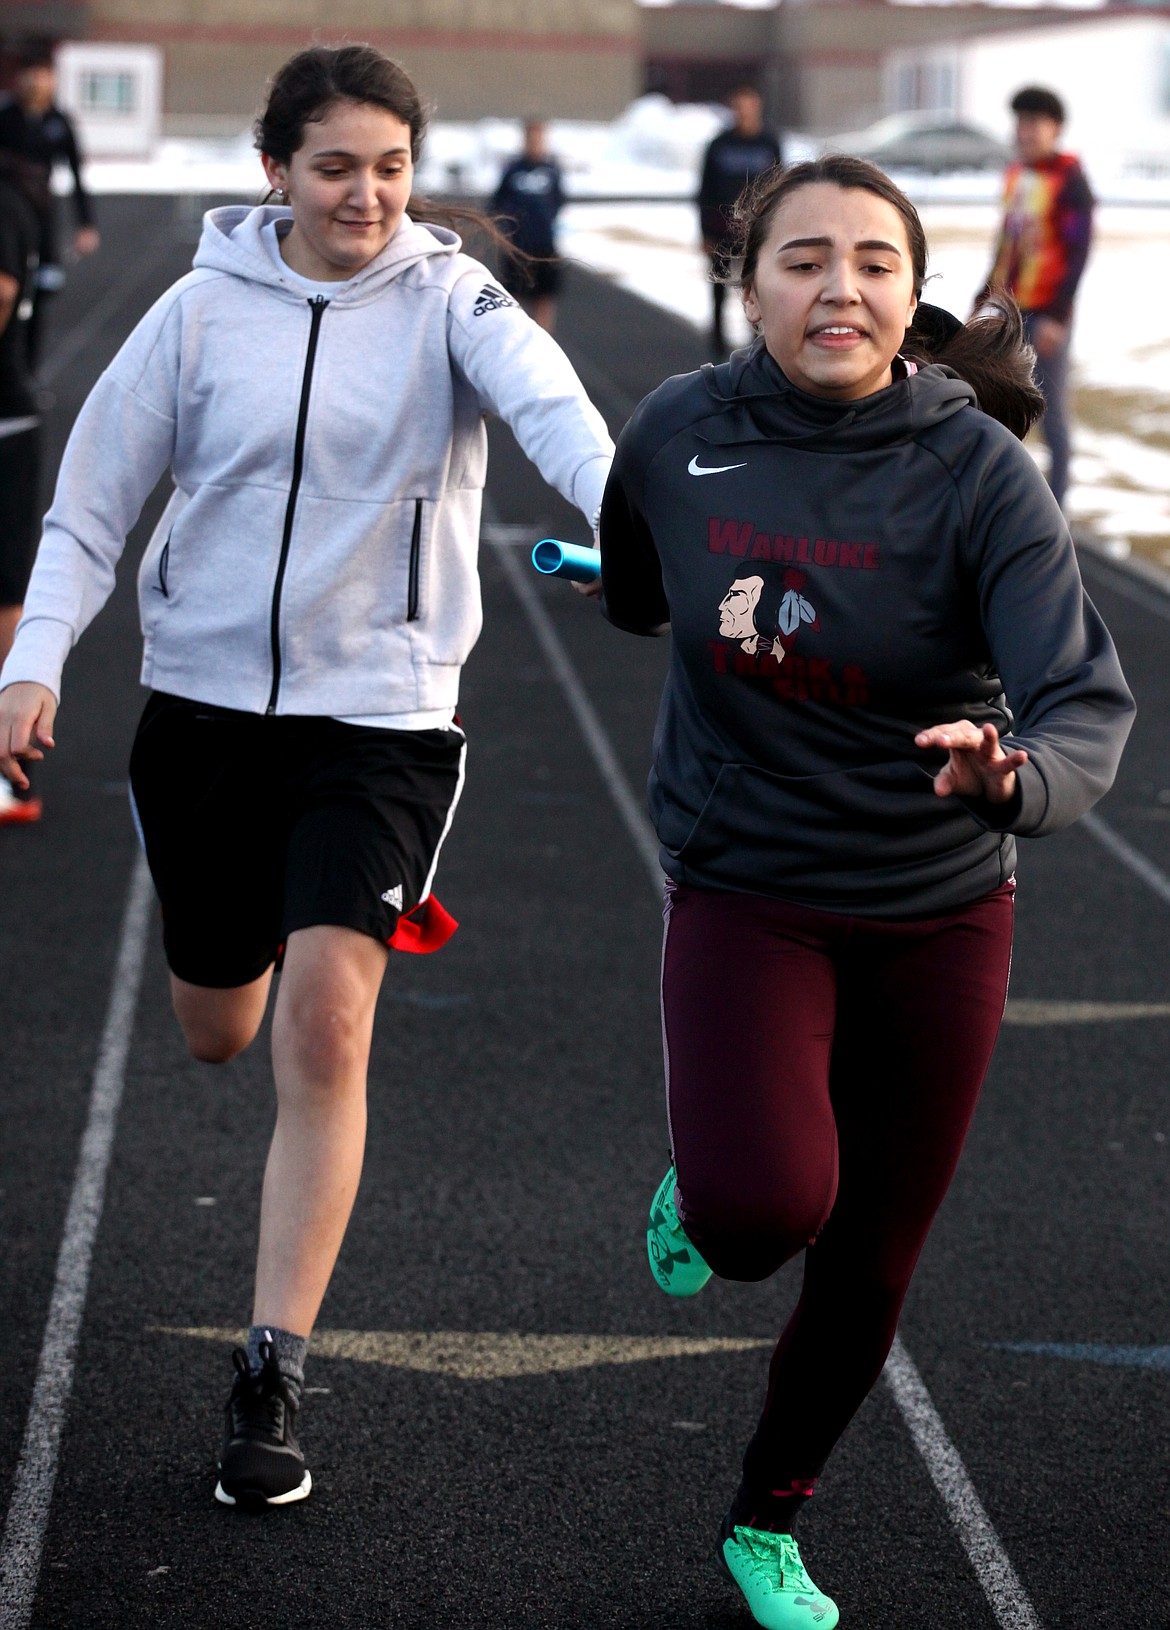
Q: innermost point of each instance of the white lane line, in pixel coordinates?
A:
(1152, 876)
(1147, 586)
(1001, 1583)
(521, 579)
(985, 1552)
(75, 339)
(36, 1471)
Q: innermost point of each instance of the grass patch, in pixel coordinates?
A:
(1144, 415)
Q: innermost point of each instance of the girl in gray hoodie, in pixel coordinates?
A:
(316, 387)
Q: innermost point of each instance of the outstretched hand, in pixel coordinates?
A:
(976, 766)
(27, 712)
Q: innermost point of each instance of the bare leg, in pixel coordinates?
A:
(218, 1024)
(320, 1052)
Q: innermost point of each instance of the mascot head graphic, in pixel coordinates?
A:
(763, 615)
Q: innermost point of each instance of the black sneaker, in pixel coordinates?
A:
(260, 1463)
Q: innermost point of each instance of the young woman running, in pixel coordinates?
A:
(884, 669)
(317, 388)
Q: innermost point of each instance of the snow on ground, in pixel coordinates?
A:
(1121, 467)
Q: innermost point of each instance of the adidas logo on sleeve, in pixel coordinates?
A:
(490, 298)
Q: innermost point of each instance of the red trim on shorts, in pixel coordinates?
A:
(427, 928)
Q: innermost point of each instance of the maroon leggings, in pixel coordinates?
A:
(822, 1071)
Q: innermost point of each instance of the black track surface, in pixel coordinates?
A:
(516, 1134)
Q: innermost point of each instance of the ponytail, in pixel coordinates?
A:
(990, 352)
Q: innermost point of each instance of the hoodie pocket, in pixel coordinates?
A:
(164, 568)
(787, 830)
(415, 568)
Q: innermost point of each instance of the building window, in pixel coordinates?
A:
(928, 85)
(108, 91)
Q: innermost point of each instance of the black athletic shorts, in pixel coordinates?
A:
(255, 827)
(20, 511)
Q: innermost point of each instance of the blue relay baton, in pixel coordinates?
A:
(557, 559)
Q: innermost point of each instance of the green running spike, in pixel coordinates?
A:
(674, 1262)
(778, 1591)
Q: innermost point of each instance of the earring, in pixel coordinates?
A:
(280, 195)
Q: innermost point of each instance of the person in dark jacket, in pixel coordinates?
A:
(884, 670)
(736, 157)
(35, 130)
(526, 203)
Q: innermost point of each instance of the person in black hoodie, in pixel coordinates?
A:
(529, 197)
(737, 156)
(36, 131)
(884, 670)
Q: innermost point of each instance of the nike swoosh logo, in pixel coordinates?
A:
(695, 468)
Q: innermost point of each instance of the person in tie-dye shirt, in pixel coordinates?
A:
(1042, 250)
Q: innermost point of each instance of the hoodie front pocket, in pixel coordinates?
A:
(164, 566)
(412, 582)
(787, 830)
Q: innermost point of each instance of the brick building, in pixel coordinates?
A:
(472, 58)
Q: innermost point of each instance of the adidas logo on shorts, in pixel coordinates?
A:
(490, 298)
(393, 897)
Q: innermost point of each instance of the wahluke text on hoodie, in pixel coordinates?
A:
(318, 553)
(838, 577)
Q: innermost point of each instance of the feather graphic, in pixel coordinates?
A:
(794, 610)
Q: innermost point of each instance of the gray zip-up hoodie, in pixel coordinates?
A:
(838, 577)
(318, 553)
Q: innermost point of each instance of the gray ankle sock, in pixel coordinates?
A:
(288, 1350)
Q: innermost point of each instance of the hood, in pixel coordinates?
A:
(231, 243)
(753, 400)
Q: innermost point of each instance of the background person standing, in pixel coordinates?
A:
(1042, 250)
(34, 128)
(526, 204)
(735, 157)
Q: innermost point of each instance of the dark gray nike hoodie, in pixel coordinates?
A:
(836, 578)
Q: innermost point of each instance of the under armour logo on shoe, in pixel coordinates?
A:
(664, 1258)
(393, 897)
(819, 1609)
(490, 298)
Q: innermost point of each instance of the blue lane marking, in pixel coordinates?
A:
(1087, 1352)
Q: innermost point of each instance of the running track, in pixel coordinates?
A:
(469, 1470)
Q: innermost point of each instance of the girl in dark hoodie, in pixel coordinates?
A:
(884, 668)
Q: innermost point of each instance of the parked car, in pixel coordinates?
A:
(917, 141)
